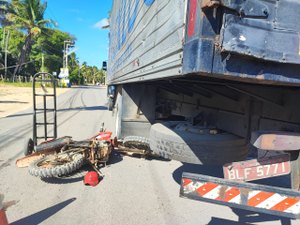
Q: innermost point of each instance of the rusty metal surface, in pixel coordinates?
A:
(263, 37)
(132, 151)
(27, 160)
(94, 150)
(54, 144)
(44, 149)
(210, 3)
(255, 170)
(295, 171)
(276, 140)
(244, 41)
(99, 152)
(250, 8)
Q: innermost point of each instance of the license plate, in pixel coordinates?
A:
(255, 170)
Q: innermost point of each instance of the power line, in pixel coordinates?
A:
(55, 49)
(51, 12)
(48, 51)
(9, 67)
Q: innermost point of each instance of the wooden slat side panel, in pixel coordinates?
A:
(147, 39)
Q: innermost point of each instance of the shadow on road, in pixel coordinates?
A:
(218, 221)
(115, 157)
(17, 115)
(87, 108)
(246, 216)
(39, 217)
(20, 102)
(215, 171)
(249, 217)
(88, 87)
(76, 176)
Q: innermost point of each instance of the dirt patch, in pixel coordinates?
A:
(15, 99)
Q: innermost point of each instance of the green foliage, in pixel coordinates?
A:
(15, 41)
(30, 40)
(92, 74)
(81, 74)
(3, 12)
(50, 44)
(27, 16)
(35, 46)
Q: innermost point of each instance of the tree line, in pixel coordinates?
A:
(29, 43)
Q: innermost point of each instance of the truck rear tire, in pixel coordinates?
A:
(196, 148)
(137, 142)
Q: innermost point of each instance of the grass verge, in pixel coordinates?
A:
(15, 84)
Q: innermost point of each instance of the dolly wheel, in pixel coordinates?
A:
(29, 146)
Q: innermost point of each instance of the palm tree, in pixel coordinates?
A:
(27, 16)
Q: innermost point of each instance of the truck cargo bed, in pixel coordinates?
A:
(146, 40)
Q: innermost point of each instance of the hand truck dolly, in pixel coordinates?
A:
(47, 82)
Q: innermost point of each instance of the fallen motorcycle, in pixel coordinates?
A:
(63, 156)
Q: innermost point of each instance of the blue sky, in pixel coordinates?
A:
(79, 18)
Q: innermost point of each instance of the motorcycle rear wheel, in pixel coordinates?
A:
(57, 165)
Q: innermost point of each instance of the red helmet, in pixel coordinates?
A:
(91, 178)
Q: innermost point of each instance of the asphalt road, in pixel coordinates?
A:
(133, 191)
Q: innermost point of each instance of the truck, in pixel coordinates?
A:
(213, 82)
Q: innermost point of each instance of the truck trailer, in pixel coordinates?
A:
(213, 82)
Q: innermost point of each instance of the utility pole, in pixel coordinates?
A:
(65, 71)
(64, 54)
(67, 44)
(43, 62)
(3, 38)
(67, 51)
(5, 57)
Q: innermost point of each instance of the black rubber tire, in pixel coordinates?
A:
(56, 171)
(137, 142)
(28, 147)
(204, 149)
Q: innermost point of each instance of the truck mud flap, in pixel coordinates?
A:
(258, 198)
